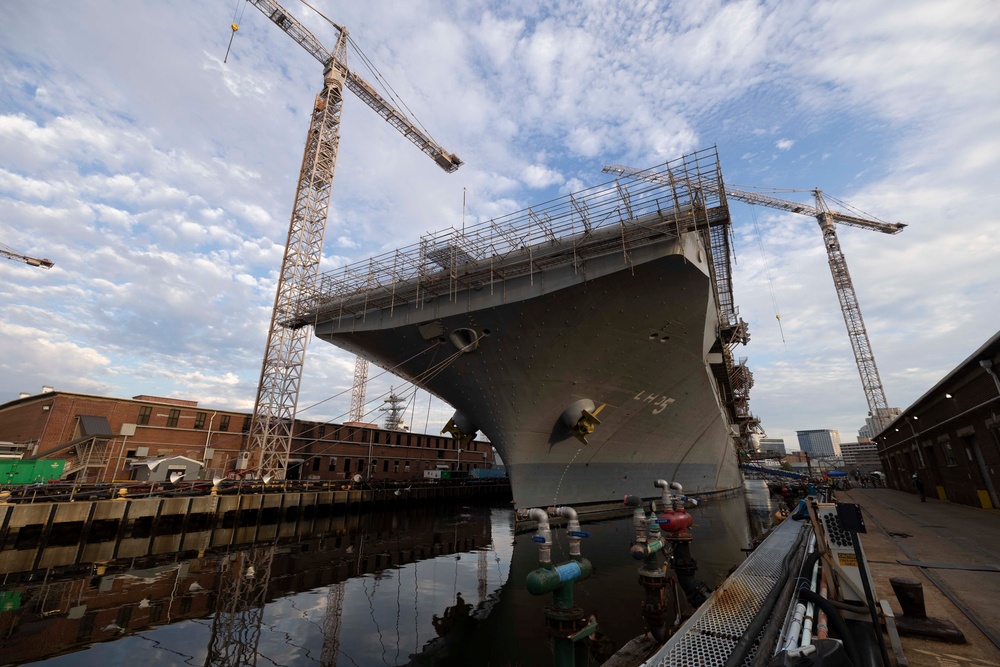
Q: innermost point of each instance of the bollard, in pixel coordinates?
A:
(914, 619)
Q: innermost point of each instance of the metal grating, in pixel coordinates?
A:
(711, 633)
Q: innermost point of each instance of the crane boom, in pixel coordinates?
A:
(871, 382)
(9, 253)
(281, 371)
(447, 161)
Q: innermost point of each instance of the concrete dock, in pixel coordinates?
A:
(954, 551)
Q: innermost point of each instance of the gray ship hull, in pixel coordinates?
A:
(630, 331)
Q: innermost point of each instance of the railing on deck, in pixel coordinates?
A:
(619, 215)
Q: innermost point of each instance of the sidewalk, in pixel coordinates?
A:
(944, 544)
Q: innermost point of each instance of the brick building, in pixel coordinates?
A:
(101, 437)
(950, 436)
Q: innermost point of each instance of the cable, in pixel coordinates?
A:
(767, 274)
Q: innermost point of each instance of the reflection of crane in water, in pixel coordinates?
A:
(239, 610)
(331, 626)
(481, 574)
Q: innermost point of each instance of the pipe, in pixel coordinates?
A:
(543, 535)
(822, 628)
(793, 630)
(573, 529)
(665, 495)
(807, 624)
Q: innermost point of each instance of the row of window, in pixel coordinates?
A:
(174, 417)
(402, 439)
(429, 464)
(946, 449)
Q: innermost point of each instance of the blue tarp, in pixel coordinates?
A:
(772, 471)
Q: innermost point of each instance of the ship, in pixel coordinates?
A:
(589, 338)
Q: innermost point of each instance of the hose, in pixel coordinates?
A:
(836, 620)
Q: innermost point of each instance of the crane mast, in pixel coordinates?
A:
(871, 382)
(281, 372)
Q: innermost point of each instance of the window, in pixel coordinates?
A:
(175, 415)
(374, 468)
(315, 463)
(130, 454)
(397, 438)
(199, 420)
(949, 455)
(347, 465)
(144, 413)
(322, 431)
(246, 424)
(395, 466)
(333, 464)
(155, 612)
(406, 468)
(385, 465)
(361, 465)
(224, 423)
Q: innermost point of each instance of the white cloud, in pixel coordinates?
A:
(162, 183)
(540, 176)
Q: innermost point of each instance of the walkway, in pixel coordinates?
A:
(954, 550)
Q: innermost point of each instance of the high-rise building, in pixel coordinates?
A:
(870, 430)
(819, 442)
(772, 446)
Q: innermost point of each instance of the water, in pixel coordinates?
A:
(431, 585)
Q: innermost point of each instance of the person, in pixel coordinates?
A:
(919, 483)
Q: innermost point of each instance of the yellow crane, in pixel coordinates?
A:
(10, 253)
(281, 372)
(878, 407)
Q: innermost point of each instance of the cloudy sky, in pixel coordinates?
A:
(159, 179)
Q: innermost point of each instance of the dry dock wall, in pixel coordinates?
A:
(44, 535)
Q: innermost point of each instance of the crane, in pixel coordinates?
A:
(10, 253)
(878, 406)
(281, 372)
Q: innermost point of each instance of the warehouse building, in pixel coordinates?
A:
(950, 436)
(104, 438)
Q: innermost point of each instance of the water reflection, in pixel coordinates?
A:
(441, 585)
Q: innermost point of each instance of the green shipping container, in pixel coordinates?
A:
(30, 472)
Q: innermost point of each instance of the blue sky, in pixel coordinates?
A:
(160, 179)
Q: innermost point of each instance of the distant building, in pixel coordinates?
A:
(103, 438)
(820, 442)
(868, 431)
(772, 446)
(861, 456)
